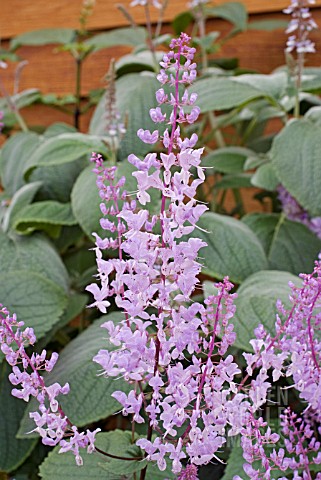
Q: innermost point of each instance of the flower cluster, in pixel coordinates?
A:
(143, 3)
(51, 422)
(301, 25)
(153, 286)
(294, 352)
(114, 125)
(295, 212)
(173, 351)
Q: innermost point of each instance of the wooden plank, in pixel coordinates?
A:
(18, 16)
(55, 72)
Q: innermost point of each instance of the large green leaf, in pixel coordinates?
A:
(89, 399)
(296, 157)
(256, 301)
(217, 93)
(14, 155)
(58, 128)
(273, 85)
(232, 249)
(240, 180)
(58, 180)
(290, 246)
(48, 216)
(12, 451)
(37, 301)
(135, 95)
(233, 12)
(227, 159)
(65, 148)
(265, 177)
(34, 254)
(21, 198)
(234, 464)
(43, 37)
(57, 466)
(311, 80)
(118, 36)
(138, 62)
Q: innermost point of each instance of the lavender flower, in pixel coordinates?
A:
(295, 212)
(301, 25)
(51, 422)
(143, 3)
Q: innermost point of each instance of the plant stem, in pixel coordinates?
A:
(150, 34)
(217, 132)
(78, 91)
(13, 107)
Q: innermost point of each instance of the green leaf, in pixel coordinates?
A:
(58, 128)
(314, 115)
(234, 464)
(65, 148)
(136, 63)
(209, 288)
(22, 197)
(57, 466)
(265, 177)
(233, 12)
(43, 37)
(296, 158)
(232, 248)
(227, 159)
(263, 225)
(256, 302)
(48, 216)
(241, 180)
(118, 36)
(34, 254)
(181, 22)
(58, 180)
(218, 93)
(121, 441)
(13, 452)
(37, 301)
(14, 155)
(267, 25)
(76, 304)
(273, 85)
(89, 399)
(311, 80)
(290, 246)
(135, 95)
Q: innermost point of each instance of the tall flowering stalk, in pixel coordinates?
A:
(299, 29)
(161, 327)
(174, 352)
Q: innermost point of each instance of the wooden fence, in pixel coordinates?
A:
(55, 72)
